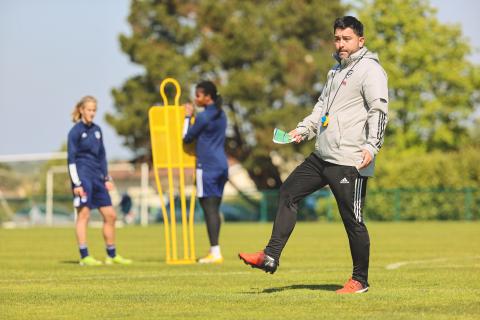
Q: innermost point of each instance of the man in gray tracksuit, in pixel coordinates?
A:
(349, 123)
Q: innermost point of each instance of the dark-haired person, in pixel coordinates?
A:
(87, 165)
(349, 123)
(212, 167)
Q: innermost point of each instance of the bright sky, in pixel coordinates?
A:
(53, 52)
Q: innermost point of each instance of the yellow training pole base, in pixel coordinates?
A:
(181, 261)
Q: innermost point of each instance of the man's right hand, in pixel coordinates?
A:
(297, 138)
(78, 191)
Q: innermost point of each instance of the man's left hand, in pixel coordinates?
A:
(366, 159)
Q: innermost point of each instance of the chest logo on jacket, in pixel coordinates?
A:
(349, 73)
(84, 135)
(97, 134)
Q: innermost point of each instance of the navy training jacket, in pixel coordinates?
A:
(86, 153)
(209, 131)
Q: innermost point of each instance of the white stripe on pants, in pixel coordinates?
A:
(357, 199)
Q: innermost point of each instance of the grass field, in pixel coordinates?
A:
(428, 270)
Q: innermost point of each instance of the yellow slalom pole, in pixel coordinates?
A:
(165, 219)
(171, 189)
(177, 93)
(154, 128)
(192, 220)
(169, 153)
(186, 255)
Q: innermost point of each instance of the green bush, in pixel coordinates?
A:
(410, 186)
(436, 185)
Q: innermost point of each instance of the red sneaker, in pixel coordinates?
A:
(352, 286)
(259, 260)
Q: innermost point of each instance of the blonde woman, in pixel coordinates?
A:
(87, 165)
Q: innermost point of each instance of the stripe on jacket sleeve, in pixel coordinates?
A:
(382, 123)
(379, 124)
(72, 169)
(186, 124)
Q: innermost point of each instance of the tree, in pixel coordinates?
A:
(433, 86)
(269, 59)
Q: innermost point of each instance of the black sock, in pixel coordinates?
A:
(211, 206)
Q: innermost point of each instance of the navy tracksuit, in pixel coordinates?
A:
(212, 167)
(87, 165)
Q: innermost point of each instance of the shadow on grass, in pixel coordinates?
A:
(69, 262)
(324, 287)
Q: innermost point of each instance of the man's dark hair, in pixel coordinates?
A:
(349, 22)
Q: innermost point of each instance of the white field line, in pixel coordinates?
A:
(125, 277)
(140, 277)
(396, 265)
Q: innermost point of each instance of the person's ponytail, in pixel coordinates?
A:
(219, 102)
(76, 114)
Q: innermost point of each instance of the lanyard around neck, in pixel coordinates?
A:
(329, 105)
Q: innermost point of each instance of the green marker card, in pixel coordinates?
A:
(281, 137)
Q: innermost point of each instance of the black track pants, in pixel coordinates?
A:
(349, 189)
(211, 209)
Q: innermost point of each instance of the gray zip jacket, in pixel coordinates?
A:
(355, 97)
